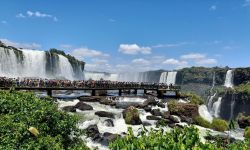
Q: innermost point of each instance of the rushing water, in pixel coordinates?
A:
(34, 63)
(229, 79)
(232, 106)
(216, 108)
(168, 77)
(204, 113)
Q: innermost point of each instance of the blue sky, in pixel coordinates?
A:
(135, 35)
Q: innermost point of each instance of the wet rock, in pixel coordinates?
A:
(146, 123)
(69, 109)
(187, 120)
(243, 121)
(156, 112)
(132, 116)
(160, 104)
(107, 102)
(174, 119)
(147, 108)
(183, 110)
(109, 137)
(109, 123)
(166, 115)
(171, 125)
(105, 114)
(83, 106)
(153, 118)
(93, 132)
(89, 98)
(150, 101)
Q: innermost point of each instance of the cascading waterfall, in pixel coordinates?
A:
(229, 79)
(65, 68)
(35, 63)
(211, 97)
(171, 78)
(163, 78)
(232, 106)
(216, 107)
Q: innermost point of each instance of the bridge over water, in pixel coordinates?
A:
(159, 89)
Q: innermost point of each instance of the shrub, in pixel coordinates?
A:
(219, 125)
(194, 98)
(19, 111)
(247, 132)
(202, 122)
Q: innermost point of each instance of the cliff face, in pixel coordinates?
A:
(241, 75)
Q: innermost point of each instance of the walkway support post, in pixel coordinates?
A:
(120, 92)
(145, 91)
(93, 92)
(135, 91)
(49, 92)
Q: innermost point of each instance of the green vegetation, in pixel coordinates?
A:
(202, 122)
(247, 132)
(194, 98)
(177, 139)
(219, 125)
(20, 111)
(243, 88)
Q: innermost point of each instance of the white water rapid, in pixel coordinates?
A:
(229, 79)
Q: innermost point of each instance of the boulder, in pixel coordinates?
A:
(150, 101)
(105, 114)
(93, 132)
(147, 108)
(160, 104)
(109, 137)
(166, 115)
(107, 102)
(108, 123)
(83, 106)
(131, 116)
(174, 119)
(156, 112)
(153, 118)
(183, 110)
(243, 121)
(89, 98)
(69, 109)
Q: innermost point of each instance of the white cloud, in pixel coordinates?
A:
(199, 59)
(213, 8)
(193, 56)
(170, 45)
(36, 14)
(140, 61)
(99, 61)
(81, 53)
(133, 49)
(176, 64)
(4, 22)
(246, 3)
(207, 61)
(21, 45)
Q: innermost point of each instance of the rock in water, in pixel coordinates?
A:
(83, 106)
(156, 112)
(109, 137)
(90, 98)
(132, 116)
(105, 114)
(69, 109)
(108, 123)
(93, 132)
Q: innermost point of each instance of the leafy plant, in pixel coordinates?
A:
(219, 125)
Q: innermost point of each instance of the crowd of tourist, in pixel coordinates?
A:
(37, 82)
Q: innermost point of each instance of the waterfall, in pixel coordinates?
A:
(163, 78)
(65, 68)
(232, 106)
(210, 102)
(171, 78)
(9, 64)
(216, 108)
(36, 64)
(229, 79)
(204, 113)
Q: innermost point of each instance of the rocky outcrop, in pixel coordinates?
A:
(153, 117)
(183, 110)
(132, 116)
(109, 137)
(156, 112)
(241, 75)
(69, 108)
(90, 98)
(83, 106)
(105, 114)
(244, 121)
(93, 132)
